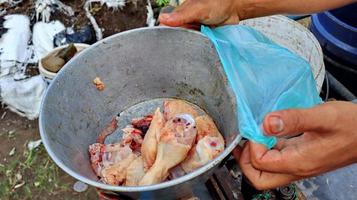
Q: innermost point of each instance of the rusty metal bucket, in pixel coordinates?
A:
(136, 66)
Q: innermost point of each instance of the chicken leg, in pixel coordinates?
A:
(209, 144)
(135, 172)
(175, 107)
(176, 140)
(149, 145)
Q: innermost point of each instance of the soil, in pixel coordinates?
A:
(16, 132)
(133, 15)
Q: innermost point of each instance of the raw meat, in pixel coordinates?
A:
(149, 146)
(153, 147)
(115, 174)
(143, 123)
(175, 107)
(102, 156)
(99, 84)
(132, 137)
(176, 139)
(210, 144)
(135, 172)
(206, 126)
(109, 161)
(205, 150)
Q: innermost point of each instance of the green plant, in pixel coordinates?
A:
(162, 3)
(28, 175)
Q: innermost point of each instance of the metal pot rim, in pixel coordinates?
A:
(96, 184)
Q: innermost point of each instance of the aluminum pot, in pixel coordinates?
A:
(136, 66)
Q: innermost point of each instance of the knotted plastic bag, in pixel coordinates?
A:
(264, 76)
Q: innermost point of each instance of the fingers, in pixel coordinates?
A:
(261, 179)
(274, 160)
(187, 13)
(290, 122)
(237, 152)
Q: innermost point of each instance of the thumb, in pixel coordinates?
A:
(289, 122)
(186, 13)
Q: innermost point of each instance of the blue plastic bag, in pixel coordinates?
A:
(264, 76)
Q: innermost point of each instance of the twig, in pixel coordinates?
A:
(98, 31)
(3, 115)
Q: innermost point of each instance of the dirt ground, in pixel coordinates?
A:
(40, 177)
(133, 15)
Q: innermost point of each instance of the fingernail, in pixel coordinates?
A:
(276, 125)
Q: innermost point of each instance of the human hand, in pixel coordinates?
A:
(208, 12)
(328, 142)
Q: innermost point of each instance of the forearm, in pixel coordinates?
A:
(258, 8)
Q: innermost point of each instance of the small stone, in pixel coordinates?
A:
(79, 186)
(33, 144)
(11, 133)
(18, 177)
(12, 152)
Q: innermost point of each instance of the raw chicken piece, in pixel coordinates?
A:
(176, 139)
(133, 138)
(143, 123)
(149, 146)
(135, 172)
(205, 150)
(108, 130)
(175, 107)
(115, 174)
(206, 126)
(210, 144)
(102, 156)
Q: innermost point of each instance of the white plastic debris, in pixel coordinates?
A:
(21, 93)
(42, 37)
(44, 8)
(14, 51)
(23, 97)
(115, 4)
(33, 144)
(79, 186)
(150, 20)
(11, 3)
